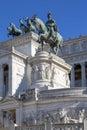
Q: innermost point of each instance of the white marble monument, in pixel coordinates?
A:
(35, 84)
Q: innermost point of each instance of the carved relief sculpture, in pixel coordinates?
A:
(34, 73)
(54, 73)
(48, 72)
(41, 72)
(81, 115)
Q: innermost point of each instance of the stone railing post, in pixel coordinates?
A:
(85, 124)
(48, 123)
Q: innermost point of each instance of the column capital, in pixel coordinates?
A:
(1, 66)
(82, 63)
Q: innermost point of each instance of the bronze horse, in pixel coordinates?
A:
(28, 27)
(54, 39)
(13, 30)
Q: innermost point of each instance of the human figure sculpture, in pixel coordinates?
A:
(40, 117)
(48, 33)
(41, 72)
(63, 116)
(34, 73)
(81, 115)
(54, 73)
(51, 23)
(48, 72)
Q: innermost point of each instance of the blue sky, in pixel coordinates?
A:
(70, 15)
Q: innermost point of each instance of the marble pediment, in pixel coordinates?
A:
(8, 100)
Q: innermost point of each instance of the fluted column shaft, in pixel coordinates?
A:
(83, 74)
(72, 76)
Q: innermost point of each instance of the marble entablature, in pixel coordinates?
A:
(75, 46)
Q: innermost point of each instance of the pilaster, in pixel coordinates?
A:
(72, 76)
(83, 74)
(19, 116)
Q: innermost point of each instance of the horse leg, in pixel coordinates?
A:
(60, 46)
(42, 45)
(40, 38)
(57, 48)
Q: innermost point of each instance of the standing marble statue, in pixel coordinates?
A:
(81, 115)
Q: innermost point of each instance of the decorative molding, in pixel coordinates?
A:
(61, 115)
(17, 59)
(18, 41)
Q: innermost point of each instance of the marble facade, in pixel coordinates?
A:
(75, 54)
(35, 85)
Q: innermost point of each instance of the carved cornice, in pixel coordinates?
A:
(74, 46)
(74, 57)
(75, 40)
(18, 41)
(14, 53)
(49, 58)
(9, 100)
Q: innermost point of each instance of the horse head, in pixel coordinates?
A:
(40, 26)
(28, 21)
(33, 18)
(9, 31)
(30, 26)
(12, 25)
(21, 21)
(13, 30)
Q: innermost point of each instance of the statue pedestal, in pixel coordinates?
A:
(48, 71)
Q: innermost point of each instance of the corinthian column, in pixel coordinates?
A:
(72, 76)
(83, 74)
